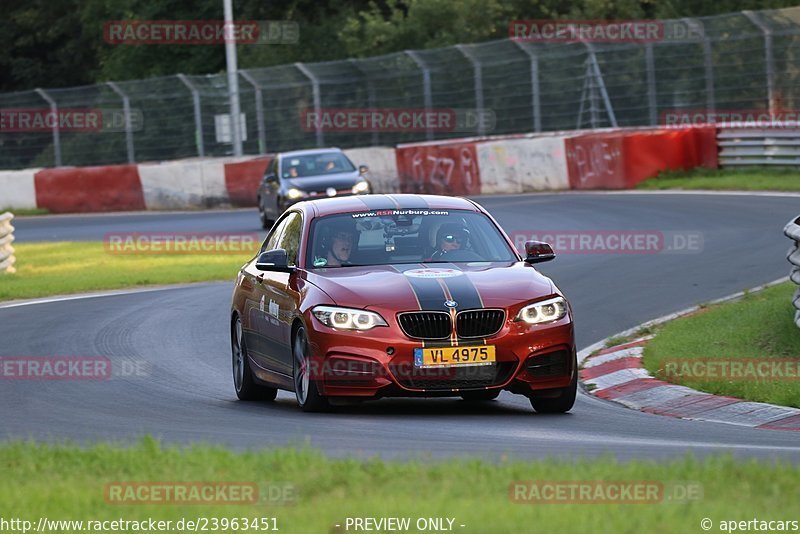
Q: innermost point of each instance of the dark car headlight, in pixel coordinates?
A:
(295, 194)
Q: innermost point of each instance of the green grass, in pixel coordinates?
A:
(760, 326)
(66, 482)
(744, 179)
(45, 269)
(21, 212)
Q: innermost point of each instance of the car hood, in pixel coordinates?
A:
(342, 180)
(410, 287)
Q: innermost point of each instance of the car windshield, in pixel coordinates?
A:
(315, 165)
(385, 237)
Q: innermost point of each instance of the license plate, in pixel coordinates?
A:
(436, 356)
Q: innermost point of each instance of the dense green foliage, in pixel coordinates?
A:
(59, 43)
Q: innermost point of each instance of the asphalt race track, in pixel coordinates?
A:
(186, 394)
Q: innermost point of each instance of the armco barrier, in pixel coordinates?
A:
(757, 146)
(792, 231)
(447, 169)
(243, 178)
(520, 165)
(87, 189)
(6, 238)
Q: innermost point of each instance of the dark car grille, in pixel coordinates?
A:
(479, 323)
(448, 378)
(425, 325)
(437, 325)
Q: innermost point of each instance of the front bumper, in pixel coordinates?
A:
(380, 362)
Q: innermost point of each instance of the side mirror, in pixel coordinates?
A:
(538, 252)
(363, 169)
(270, 179)
(274, 260)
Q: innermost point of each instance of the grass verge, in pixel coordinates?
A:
(45, 269)
(757, 328)
(20, 212)
(744, 179)
(70, 483)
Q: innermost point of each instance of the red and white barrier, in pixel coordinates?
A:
(614, 159)
(522, 165)
(17, 189)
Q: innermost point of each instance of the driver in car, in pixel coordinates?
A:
(336, 245)
(450, 237)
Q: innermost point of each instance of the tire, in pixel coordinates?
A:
(561, 404)
(243, 383)
(480, 396)
(305, 389)
(266, 223)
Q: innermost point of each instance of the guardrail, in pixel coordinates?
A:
(758, 146)
(7, 258)
(792, 231)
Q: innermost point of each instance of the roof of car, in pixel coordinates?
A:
(356, 203)
(310, 151)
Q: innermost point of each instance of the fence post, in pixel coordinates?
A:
(651, 84)
(7, 258)
(426, 86)
(535, 102)
(262, 134)
(126, 109)
(370, 95)
(792, 231)
(478, 75)
(56, 133)
(769, 65)
(198, 116)
(317, 101)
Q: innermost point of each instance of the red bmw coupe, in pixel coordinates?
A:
(372, 296)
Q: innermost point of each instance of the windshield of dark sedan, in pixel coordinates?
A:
(315, 165)
(385, 237)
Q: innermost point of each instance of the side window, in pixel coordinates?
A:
(274, 235)
(273, 167)
(290, 236)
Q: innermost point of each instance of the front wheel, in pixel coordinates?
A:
(246, 388)
(558, 404)
(305, 387)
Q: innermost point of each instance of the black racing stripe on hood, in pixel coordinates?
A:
(428, 290)
(463, 290)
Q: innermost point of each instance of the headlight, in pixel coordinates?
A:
(294, 194)
(347, 319)
(545, 311)
(361, 187)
